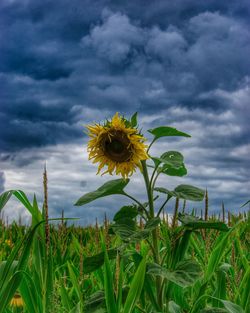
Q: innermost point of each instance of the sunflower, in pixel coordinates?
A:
(117, 145)
(17, 301)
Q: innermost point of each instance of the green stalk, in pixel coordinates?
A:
(154, 232)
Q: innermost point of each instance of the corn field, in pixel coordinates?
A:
(103, 268)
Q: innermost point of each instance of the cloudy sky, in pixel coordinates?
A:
(65, 64)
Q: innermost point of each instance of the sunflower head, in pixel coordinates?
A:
(118, 145)
(17, 301)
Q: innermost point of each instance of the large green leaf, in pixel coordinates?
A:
(185, 273)
(113, 187)
(125, 228)
(130, 211)
(197, 223)
(135, 287)
(186, 192)
(164, 131)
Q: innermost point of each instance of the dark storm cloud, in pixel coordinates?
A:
(2, 181)
(182, 63)
(58, 59)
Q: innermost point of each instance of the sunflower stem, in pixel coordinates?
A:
(152, 142)
(154, 231)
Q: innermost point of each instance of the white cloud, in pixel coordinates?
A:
(115, 37)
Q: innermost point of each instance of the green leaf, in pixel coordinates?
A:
(232, 307)
(77, 308)
(28, 290)
(4, 198)
(125, 228)
(95, 301)
(189, 192)
(21, 196)
(157, 162)
(152, 223)
(213, 310)
(218, 251)
(7, 290)
(185, 273)
(164, 131)
(172, 163)
(181, 171)
(186, 192)
(197, 223)
(172, 159)
(130, 211)
(173, 307)
(133, 120)
(112, 187)
(94, 262)
(108, 283)
(135, 287)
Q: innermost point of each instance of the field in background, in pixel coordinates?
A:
(73, 269)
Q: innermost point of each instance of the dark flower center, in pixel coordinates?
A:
(116, 147)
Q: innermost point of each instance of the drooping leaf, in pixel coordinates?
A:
(164, 131)
(113, 187)
(4, 198)
(197, 223)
